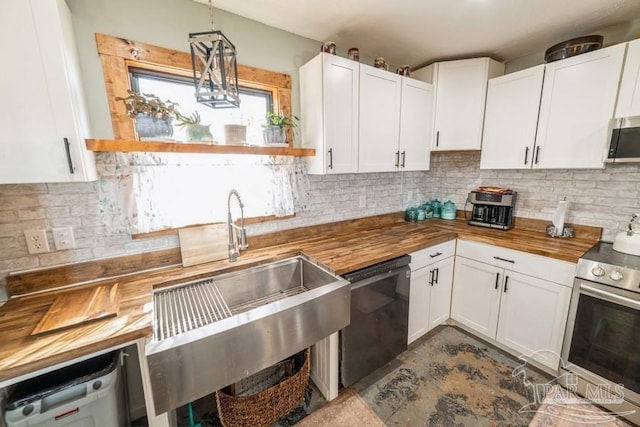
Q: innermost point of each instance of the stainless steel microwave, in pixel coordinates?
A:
(624, 140)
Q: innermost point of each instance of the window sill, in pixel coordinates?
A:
(113, 145)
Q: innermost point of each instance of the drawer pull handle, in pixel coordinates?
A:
(435, 255)
(497, 280)
(504, 259)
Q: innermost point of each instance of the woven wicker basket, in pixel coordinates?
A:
(267, 406)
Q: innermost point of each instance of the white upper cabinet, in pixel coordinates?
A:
(43, 118)
(578, 100)
(380, 93)
(460, 93)
(511, 118)
(629, 96)
(329, 101)
(416, 124)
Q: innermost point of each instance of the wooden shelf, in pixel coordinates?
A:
(114, 145)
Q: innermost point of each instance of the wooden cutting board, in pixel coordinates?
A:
(81, 306)
(202, 244)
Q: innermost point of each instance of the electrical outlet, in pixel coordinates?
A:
(37, 242)
(63, 238)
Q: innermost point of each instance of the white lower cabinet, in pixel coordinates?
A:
(493, 297)
(430, 291)
(533, 314)
(475, 298)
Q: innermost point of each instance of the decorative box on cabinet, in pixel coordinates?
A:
(629, 95)
(519, 299)
(329, 107)
(45, 126)
(460, 93)
(430, 289)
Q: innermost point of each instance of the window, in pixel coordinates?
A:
(254, 104)
(141, 193)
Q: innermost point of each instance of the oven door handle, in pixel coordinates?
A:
(609, 296)
(373, 279)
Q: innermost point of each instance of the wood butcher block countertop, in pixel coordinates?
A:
(342, 247)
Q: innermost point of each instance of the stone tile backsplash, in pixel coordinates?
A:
(604, 198)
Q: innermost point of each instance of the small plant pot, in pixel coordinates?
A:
(235, 134)
(274, 135)
(149, 128)
(198, 133)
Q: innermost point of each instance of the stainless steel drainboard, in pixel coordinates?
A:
(187, 307)
(181, 309)
(267, 299)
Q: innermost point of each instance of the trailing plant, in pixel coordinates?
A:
(148, 105)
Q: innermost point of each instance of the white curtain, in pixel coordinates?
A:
(140, 193)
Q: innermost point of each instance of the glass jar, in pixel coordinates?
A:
(436, 208)
(411, 214)
(421, 215)
(449, 210)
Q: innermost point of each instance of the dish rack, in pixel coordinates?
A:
(267, 396)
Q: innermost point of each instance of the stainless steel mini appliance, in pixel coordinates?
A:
(601, 349)
(493, 209)
(624, 140)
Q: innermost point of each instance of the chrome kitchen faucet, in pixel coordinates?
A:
(234, 248)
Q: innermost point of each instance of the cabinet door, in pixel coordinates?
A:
(440, 300)
(416, 123)
(460, 91)
(533, 314)
(511, 118)
(578, 100)
(419, 303)
(42, 77)
(476, 295)
(629, 96)
(379, 120)
(340, 112)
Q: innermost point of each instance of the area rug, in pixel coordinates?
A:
(347, 410)
(560, 408)
(452, 379)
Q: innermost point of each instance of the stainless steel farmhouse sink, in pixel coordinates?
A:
(212, 332)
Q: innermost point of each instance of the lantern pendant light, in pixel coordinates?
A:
(215, 71)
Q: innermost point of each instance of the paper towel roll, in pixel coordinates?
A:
(558, 217)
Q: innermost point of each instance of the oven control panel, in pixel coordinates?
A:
(607, 274)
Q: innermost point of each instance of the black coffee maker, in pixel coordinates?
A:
(493, 209)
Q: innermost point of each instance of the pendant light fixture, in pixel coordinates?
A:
(215, 72)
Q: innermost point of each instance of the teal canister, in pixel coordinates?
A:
(449, 210)
(436, 208)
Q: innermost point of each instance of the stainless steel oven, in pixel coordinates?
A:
(601, 350)
(379, 318)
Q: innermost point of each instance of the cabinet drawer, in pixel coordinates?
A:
(432, 254)
(546, 268)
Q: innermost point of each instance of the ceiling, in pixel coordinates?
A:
(417, 32)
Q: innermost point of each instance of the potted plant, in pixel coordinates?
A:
(277, 126)
(195, 130)
(152, 115)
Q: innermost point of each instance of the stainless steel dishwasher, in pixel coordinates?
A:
(379, 318)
